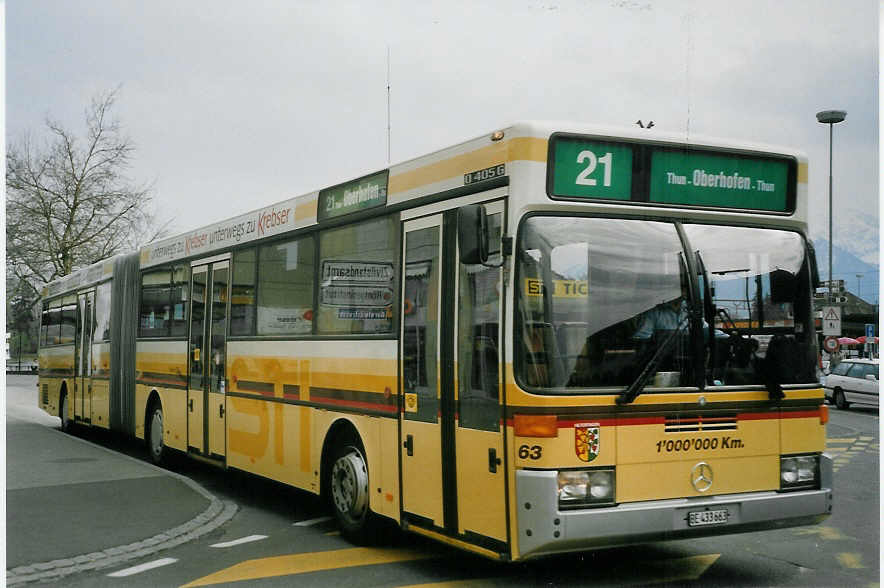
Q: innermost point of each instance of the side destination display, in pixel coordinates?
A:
(355, 196)
(589, 168)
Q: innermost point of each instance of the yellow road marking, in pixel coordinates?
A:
(836, 449)
(302, 563)
(663, 571)
(830, 533)
(849, 440)
(452, 584)
(850, 560)
(678, 570)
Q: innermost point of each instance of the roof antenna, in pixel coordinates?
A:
(388, 105)
(649, 125)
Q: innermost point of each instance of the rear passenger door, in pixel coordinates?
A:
(207, 383)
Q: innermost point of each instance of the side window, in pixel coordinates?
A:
(478, 355)
(285, 287)
(841, 369)
(102, 311)
(357, 278)
(242, 293)
(420, 329)
(68, 320)
(178, 302)
(44, 324)
(866, 370)
(53, 331)
(156, 311)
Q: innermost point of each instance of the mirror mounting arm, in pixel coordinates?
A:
(506, 249)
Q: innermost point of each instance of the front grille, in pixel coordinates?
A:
(45, 394)
(697, 422)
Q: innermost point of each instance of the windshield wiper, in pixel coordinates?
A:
(634, 389)
(708, 315)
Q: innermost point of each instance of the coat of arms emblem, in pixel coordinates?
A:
(586, 441)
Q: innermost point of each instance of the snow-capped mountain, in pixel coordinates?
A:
(846, 265)
(854, 232)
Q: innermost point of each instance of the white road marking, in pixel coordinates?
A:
(143, 567)
(240, 541)
(310, 522)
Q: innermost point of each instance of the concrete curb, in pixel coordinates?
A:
(218, 513)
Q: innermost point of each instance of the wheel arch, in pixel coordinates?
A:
(152, 399)
(340, 431)
(62, 394)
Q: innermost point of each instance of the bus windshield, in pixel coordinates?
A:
(600, 298)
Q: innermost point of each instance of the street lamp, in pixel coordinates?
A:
(831, 118)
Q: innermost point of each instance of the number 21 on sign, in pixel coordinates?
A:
(592, 162)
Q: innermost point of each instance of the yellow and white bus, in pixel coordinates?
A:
(545, 339)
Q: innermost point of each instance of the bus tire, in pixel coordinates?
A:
(840, 401)
(154, 434)
(349, 493)
(66, 423)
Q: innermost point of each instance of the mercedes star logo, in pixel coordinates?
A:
(701, 477)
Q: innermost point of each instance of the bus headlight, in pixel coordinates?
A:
(582, 488)
(799, 471)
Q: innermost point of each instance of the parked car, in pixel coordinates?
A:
(853, 381)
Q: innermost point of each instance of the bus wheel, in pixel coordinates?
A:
(63, 414)
(840, 401)
(349, 493)
(155, 445)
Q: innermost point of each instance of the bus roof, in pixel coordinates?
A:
(432, 173)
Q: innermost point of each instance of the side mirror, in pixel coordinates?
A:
(814, 269)
(472, 234)
(782, 286)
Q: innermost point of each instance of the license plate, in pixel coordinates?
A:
(707, 517)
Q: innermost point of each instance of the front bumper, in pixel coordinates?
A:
(544, 530)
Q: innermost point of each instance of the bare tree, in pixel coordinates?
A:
(69, 202)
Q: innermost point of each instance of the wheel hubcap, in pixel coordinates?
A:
(156, 433)
(350, 485)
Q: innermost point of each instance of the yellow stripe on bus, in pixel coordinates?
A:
(306, 210)
(303, 563)
(519, 148)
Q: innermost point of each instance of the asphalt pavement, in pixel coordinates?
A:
(72, 505)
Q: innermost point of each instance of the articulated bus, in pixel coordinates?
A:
(550, 338)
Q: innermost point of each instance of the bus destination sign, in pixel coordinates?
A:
(589, 168)
(356, 196)
(717, 180)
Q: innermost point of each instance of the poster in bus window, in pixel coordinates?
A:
(356, 296)
(361, 272)
(359, 291)
(275, 320)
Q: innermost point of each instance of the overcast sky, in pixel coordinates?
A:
(234, 105)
